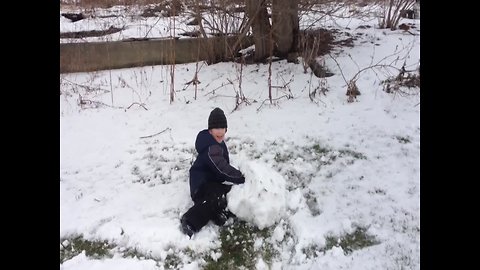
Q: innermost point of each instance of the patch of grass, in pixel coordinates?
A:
(312, 251)
(320, 149)
(296, 179)
(352, 153)
(102, 249)
(132, 253)
(349, 242)
(377, 191)
(238, 249)
(403, 139)
(142, 178)
(353, 241)
(72, 247)
(282, 158)
(172, 261)
(322, 154)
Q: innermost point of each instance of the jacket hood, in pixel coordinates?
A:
(204, 140)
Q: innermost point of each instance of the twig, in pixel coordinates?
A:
(155, 133)
(341, 72)
(217, 96)
(213, 91)
(151, 27)
(275, 99)
(194, 81)
(239, 97)
(141, 105)
(82, 102)
(87, 88)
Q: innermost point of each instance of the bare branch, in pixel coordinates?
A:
(341, 71)
(213, 91)
(82, 102)
(149, 136)
(275, 99)
(139, 104)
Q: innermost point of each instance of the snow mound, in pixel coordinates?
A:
(261, 199)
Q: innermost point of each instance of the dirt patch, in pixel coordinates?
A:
(317, 40)
(165, 9)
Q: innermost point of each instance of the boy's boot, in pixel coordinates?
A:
(186, 227)
(220, 218)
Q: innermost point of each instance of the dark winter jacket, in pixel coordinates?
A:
(212, 164)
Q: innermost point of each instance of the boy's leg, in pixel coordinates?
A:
(216, 195)
(208, 203)
(196, 217)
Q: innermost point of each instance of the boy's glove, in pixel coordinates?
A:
(243, 179)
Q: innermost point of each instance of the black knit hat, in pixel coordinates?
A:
(217, 119)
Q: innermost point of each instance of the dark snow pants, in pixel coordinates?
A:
(209, 202)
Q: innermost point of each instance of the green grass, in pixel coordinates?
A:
(403, 140)
(282, 158)
(75, 246)
(350, 242)
(320, 149)
(172, 261)
(348, 152)
(354, 241)
(238, 250)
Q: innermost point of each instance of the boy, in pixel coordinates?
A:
(211, 177)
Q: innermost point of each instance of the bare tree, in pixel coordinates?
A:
(281, 36)
(285, 23)
(392, 11)
(257, 12)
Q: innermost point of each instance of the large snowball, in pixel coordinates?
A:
(261, 199)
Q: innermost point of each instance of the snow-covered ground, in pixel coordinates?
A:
(317, 172)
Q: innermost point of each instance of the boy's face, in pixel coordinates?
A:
(218, 134)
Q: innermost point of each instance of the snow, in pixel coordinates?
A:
(261, 200)
(83, 262)
(314, 169)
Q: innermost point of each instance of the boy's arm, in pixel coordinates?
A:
(223, 171)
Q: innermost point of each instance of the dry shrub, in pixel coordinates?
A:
(352, 90)
(392, 11)
(405, 83)
(312, 44)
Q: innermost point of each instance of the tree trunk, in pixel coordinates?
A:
(257, 12)
(285, 24)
